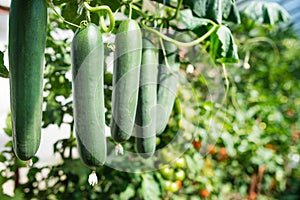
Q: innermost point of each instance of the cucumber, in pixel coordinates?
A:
(87, 54)
(27, 41)
(167, 85)
(146, 116)
(126, 73)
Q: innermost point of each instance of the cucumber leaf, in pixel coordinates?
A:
(222, 46)
(214, 10)
(3, 70)
(191, 22)
(264, 12)
(234, 15)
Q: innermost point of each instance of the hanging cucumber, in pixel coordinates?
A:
(145, 114)
(126, 73)
(167, 84)
(88, 95)
(27, 40)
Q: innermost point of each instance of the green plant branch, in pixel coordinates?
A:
(178, 43)
(130, 11)
(256, 40)
(139, 11)
(109, 12)
(177, 10)
(226, 83)
(61, 17)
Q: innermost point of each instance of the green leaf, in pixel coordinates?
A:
(226, 5)
(59, 2)
(3, 70)
(69, 12)
(8, 128)
(128, 193)
(214, 10)
(191, 22)
(19, 194)
(5, 197)
(198, 6)
(264, 12)
(75, 167)
(114, 5)
(2, 159)
(150, 188)
(234, 14)
(9, 144)
(222, 47)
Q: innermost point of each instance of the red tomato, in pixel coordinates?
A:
(204, 193)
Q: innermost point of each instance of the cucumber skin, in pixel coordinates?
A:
(27, 41)
(126, 73)
(146, 116)
(167, 85)
(87, 54)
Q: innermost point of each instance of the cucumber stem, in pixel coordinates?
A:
(63, 19)
(109, 12)
(177, 10)
(88, 16)
(183, 44)
(93, 179)
(130, 11)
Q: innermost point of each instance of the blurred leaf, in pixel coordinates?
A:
(4, 196)
(9, 144)
(2, 159)
(3, 70)
(128, 193)
(75, 167)
(114, 5)
(59, 2)
(150, 189)
(8, 128)
(264, 12)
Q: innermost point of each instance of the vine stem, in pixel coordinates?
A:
(177, 10)
(256, 40)
(130, 11)
(226, 82)
(139, 11)
(61, 17)
(178, 43)
(109, 12)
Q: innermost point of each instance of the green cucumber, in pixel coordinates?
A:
(167, 84)
(146, 115)
(88, 95)
(27, 41)
(126, 73)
